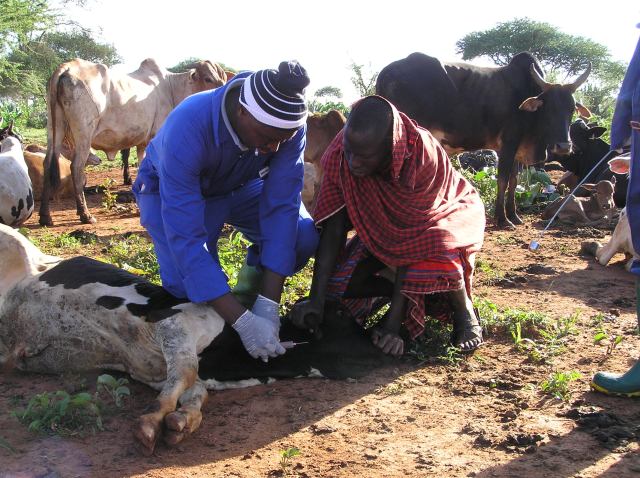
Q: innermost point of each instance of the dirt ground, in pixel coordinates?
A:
(485, 417)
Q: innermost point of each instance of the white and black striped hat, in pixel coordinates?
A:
(276, 98)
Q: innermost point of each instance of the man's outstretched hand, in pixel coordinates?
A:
(390, 342)
(307, 315)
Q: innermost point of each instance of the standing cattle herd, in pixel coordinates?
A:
(138, 328)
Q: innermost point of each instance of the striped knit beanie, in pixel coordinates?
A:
(276, 98)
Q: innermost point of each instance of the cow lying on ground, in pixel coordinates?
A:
(94, 107)
(588, 149)
(79, 314)
(16, 193)
(581, 210)
(510, 109)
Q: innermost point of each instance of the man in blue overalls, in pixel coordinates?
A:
(234, 156)
(625, 127)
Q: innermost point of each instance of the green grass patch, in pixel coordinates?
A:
(66, 414)
(134, 253)
(55, 243)
(532, 333)
(557, 385)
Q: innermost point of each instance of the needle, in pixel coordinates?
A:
(290, 344)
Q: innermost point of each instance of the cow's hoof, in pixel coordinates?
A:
(146, 432)
(180, 424)
(87, 219)
(590, 248)
(45, 220)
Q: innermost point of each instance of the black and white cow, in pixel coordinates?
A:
(79, 314)
(16, 193)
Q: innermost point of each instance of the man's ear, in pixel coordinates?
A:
(531, 104)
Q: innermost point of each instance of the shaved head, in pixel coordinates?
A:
(368, 137)
(372, 116)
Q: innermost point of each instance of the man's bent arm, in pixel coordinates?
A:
(332, 240)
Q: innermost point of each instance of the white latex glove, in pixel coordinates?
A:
(268, 309)
(259, 336)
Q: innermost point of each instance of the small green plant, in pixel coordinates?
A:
(116, 389)
(73, 414)
(6, 445)
(613, 344)
(285, 459)
(62, 413)
(558, 384)
(600, 336)
(451, 356)
(394, 388)
(109, 198)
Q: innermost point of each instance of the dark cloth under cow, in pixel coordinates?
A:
(421, 213)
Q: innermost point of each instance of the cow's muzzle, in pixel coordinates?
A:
(561, 148)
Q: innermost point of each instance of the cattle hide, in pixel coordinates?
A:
(510, 109)
(321, 129)
(16, 193)
(35, 164)
(90, 106)
(78, 314)
(580, 210)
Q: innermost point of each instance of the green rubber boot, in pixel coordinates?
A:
(627, 385)
(248, 286)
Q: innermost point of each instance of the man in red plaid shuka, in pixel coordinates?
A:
(414, 216)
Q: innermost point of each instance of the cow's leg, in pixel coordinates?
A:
(187, 418)
(620, 236)
(182, 372)
(78, 175)
(510, 205)
(125, 166)
(504, 172)
(45, 213)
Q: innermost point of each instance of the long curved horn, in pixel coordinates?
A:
(538, 79)
(581, 79)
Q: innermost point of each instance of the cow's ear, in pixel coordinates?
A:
(619, 165)
(531, 104)
(583, 111)
(194, 76)
(229, 75)
(596, 131)
(590, 187)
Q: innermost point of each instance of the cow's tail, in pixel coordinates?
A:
(55, 132)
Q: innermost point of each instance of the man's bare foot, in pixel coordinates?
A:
(467, 332)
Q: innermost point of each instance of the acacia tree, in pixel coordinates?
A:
(559, 53)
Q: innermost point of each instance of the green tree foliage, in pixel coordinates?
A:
(326, 99)
(35, 39)
(184, 65)
(364, 81)
(328, 91)
(560, 54)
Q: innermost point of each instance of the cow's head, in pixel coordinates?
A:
(555, 106)
(206, 76)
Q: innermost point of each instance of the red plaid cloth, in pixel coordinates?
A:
(425, 215)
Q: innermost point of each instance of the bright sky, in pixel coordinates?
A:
(326, 36)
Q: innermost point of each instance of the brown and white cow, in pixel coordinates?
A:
(94, 107)
(80, 314)
(321, 129)
(585, 210)
(35, 165)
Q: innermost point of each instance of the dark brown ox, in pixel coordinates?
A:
(510, 109)
(94, 107)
